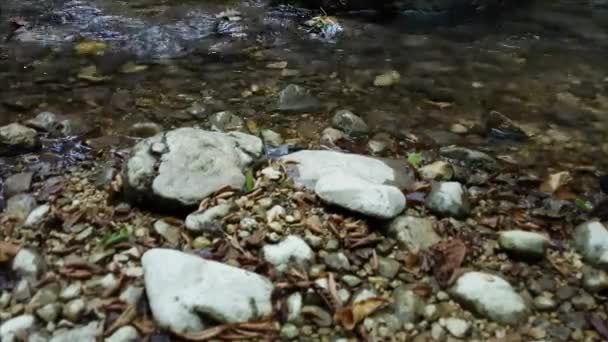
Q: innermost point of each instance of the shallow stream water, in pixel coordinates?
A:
(543, 65)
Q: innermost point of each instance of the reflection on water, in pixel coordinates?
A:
(542, 65)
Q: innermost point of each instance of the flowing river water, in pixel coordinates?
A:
(543, 65)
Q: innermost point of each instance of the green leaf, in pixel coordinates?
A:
(249, 181)
(583, 204)
(114, 238)
(415, 159)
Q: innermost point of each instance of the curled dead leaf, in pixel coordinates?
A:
(447, 256)
(556, 181)
(351, 315)
(8, 251)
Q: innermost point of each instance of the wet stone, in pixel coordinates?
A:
(226, 121)
(523, 244)
(337, 261)
(413, 233)
(583, 302)
(17, 183)
(471, 158)
(20, 206)
(437, 171)
(591, 240)
(296, 98)
(388, 267)
(565, 292)
(595, 281)
(349, 123)
(543, 303)
(448, 199)
(16, 139)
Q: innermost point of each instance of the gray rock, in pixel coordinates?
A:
(87, 333)
(363, 294)
(595, 281)
(222, 293)
(591, 240)
(124, 334)
(388, 267)
(330, 136)
(350, 123)
(16, 139)
(448, 199)
(194, 164)
(101, 284)
(387, 79)
(208, 220)
(437, 171)
(296, 98)
(18, 183)
(407, 305)
(413, 233)
(37, 216)
(337, 261)
(351, 280)
(291, 249)
(544, 303)
(49, 312)
(523, 243)
(12, 328)
(359, 195)
(46, 295)
(471, 158)
(294, 307)
(226, 121)
(73, 290)
(22, 291)
(132, 294)
(271, 137)
(583, 302)
(28, 264)
(169, 232)
(74, 309)
(20, 206)
(490, 296)
(289, 331)
(308, 166)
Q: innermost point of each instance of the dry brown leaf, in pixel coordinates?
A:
(125, 318)
(205, 334)
(555, 181)
(8, 251)
(447, 258)
(351, 315)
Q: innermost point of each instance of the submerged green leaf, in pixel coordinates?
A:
(583, 204)
(415, 159)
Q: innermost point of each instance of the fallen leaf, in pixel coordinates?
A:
(555, 181)
(249, 180)
(351, 315)
(447, 256)
(415, 159)
(125, 318)
(8, 251)
(439, 104)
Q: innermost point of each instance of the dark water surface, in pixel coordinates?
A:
(544, 65)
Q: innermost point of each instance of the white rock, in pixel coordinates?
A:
(271, 137)
(457, 327)
(523, 243)
(131, 294)
(74, 309)
(294, 306)
(223, 293)
(308, 166)
(359, 195)
(413, 233)
(124, 334)
(37, 216)
(10, 329)
(275, 213)
(194, 164)
(71, 291)
(208, 220)
(28, 263)
(168, 231)
(330, 136)
(87, 333)
(439, 171)
(490, 296)
(591, 240)
(448, 199)
(292, 249)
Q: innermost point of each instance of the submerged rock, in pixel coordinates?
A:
(16, 139)
(591, 240)
(490, 296)
(226, 121)
(438, 171)
(350, 123)
(357, 194)
(413, 233)
(296, 98)
(309, 166)
(448, 199)
(184, 289)
(500, 126)
(471, 158)
(179, 168)
(523, 243)
(18, 183)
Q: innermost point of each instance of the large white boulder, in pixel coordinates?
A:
(183, 288)
(181, 167)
